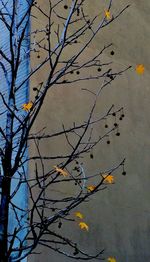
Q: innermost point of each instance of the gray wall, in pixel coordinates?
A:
(119, 217)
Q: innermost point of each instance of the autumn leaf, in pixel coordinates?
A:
(91, 188)
(140, 69)
(79, 215)
(83, 226)
(107, 14)
(27, 107)
(111, 259)
(61, 171)
(108, 178)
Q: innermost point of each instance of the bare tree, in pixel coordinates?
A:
(63, 30)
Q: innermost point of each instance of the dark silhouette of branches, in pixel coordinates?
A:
(64, 31)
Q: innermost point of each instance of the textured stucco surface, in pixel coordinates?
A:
(119, 217)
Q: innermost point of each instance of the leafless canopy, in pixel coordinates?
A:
(67, 28)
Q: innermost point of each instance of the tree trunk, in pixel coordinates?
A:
(4, 215)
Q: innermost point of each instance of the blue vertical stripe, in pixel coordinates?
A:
(20, 199)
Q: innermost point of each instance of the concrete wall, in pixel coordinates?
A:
(119, 217)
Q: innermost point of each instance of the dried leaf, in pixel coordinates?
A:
(61, 171)
(140, 69)
(111, 259)
(108, 178)
(107, 14)
(91, 188)
(79, 214)
(83, 226)
(27, 107)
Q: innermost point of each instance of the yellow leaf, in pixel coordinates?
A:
(107, 14)
(27, 106)
(111, 259)
(61, 171)
(79, 215)
(91, 188)
(108, 178)
(140, 69)
(83, 226)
